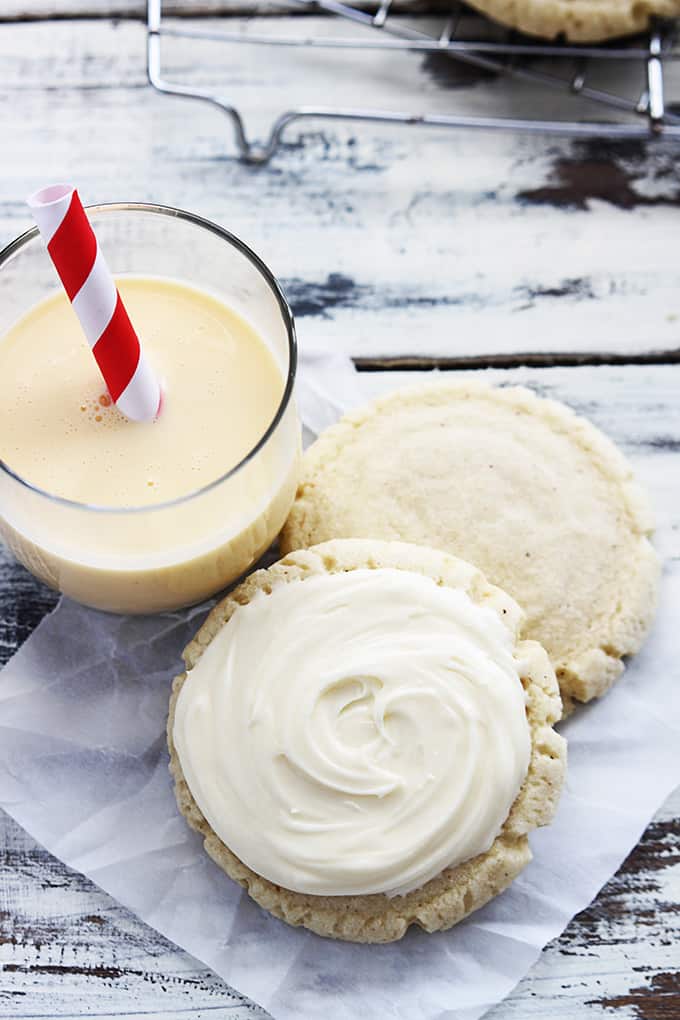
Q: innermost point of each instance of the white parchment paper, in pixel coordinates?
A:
(83, 767)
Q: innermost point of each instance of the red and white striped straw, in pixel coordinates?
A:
(73, 248)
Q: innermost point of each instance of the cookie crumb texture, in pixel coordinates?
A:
(536, 497)
(458, 891)
(578, 20)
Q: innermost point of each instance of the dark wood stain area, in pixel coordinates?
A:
(579, 288)
(309, 297)
(658, 1000)
(638, 880)
(608, 171)
(23, 603)
(449, 73)
(320, 298)
(115, 941)
(547, 359)
(60, 969)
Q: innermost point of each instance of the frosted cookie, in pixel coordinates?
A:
(363, 742)
(578, 20)
(536, 497)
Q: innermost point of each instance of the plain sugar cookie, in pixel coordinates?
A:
(578, 20)
(536, 497)
(391, 714)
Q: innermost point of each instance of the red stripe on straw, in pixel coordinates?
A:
(117, 351)
(73, 248)
(82, 269)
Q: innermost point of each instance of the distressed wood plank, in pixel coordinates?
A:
(389, 241)
(68, 943)
(68, 949)
(23, 603)
(69, 946)
(41, 10)
(74, 947)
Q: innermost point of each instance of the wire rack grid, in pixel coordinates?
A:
(570, 71)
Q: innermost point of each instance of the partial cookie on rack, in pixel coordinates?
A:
(533, 495)
(454, 891)
(578, 21)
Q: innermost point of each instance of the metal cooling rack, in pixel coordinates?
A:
(569, 71)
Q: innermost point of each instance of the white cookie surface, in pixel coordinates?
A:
(537, 498)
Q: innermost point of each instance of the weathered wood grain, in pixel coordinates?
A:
(39, 10)
(67, 949)
(23, 603)
(389, 241)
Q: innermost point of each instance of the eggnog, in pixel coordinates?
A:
(140, 517)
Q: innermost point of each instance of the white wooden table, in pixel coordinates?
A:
(396, 246)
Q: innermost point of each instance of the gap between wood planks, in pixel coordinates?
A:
(560, 359)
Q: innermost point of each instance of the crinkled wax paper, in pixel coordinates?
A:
(83, 767)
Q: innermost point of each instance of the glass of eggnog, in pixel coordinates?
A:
(143, 517)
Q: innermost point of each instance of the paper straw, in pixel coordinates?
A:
(73, 248)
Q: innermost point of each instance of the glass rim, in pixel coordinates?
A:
(286, 314)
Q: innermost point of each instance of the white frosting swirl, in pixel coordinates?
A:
(356, 732)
